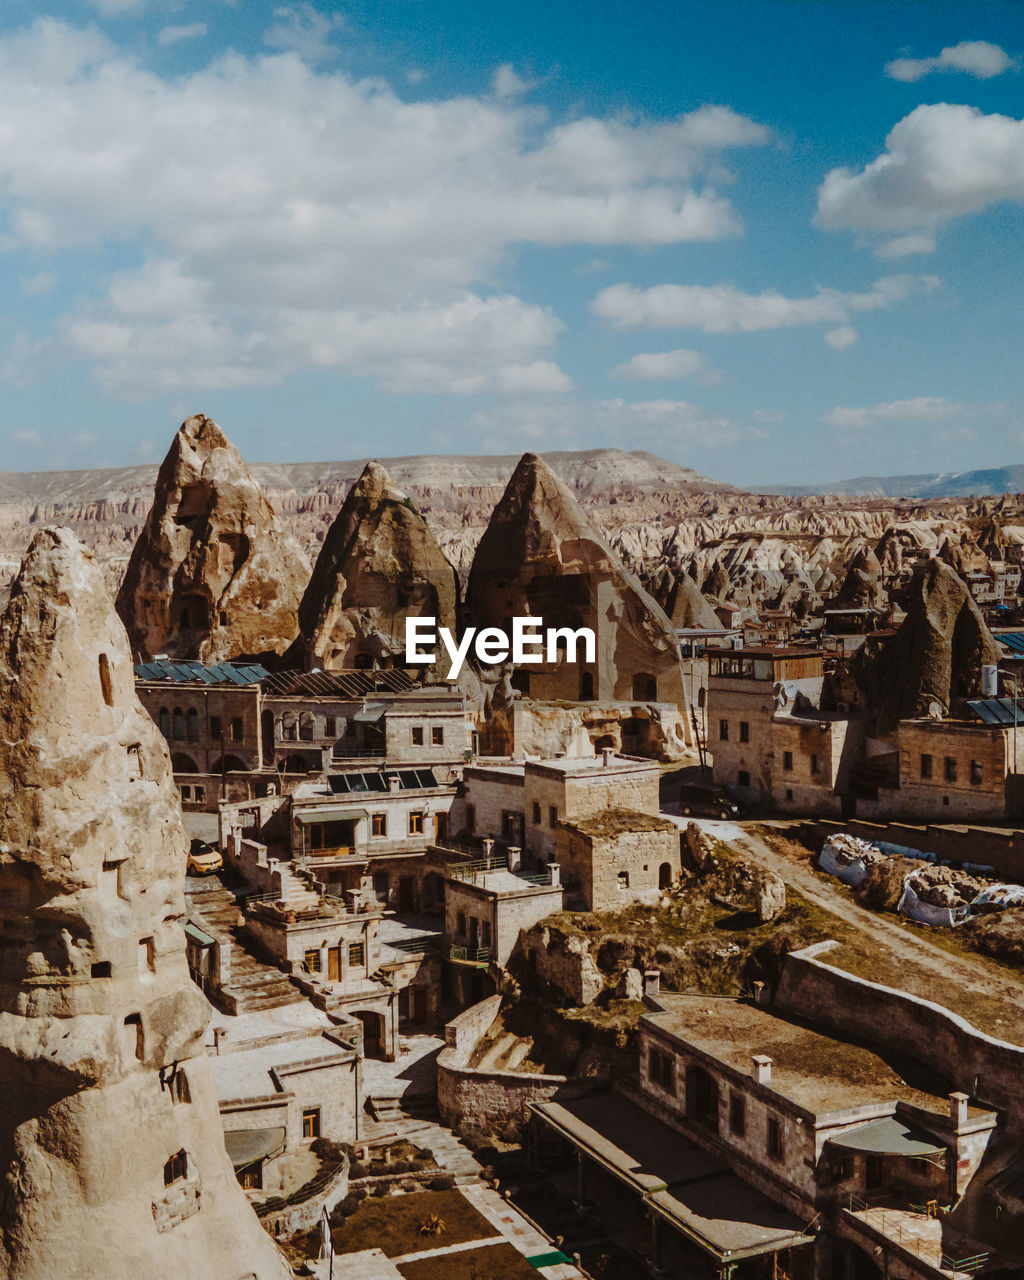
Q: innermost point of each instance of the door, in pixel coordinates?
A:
(334, 964)
(406, 894)
(440, 827)
(419, 1004)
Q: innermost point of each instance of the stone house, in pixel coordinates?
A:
(617, 855)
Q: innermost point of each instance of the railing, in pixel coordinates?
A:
(416, 946)
(467, 955)
(896, 1229)
(334, 851)
(479, 866)
(341, 752)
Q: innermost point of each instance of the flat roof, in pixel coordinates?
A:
(766, 651)
(818, 1072)
(611, 822)
(245, 1074)
(692, 1189)
(592, 764)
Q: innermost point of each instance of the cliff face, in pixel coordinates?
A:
(213, 575)
(379, 565)
(936, 655)
(110, 1139)
(542, 556)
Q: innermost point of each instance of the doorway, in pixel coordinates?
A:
(406, 894)
(373, 1033)
(334, 964)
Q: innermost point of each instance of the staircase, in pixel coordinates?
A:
(254, 983)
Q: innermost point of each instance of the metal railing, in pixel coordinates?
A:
(467, 955)
(478, 866)
(892, 1224)
(416, 946)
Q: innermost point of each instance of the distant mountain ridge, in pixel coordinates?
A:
(988, 483)
(588, 471)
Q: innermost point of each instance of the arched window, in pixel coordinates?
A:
(623, 879)
(289, 727)
(164, 722)
(306, 726)
(645, 687)
(178, 731)
(181, 763)
(665, 876)
(586, 686)
(192, 722)
(176, 1169)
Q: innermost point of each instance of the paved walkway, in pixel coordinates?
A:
(506, 1219)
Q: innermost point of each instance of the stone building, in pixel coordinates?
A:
(101, 1051)
(615, 856)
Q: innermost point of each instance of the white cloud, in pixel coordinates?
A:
(940, 162)
(302, 30)
(920, 409)
(725, 309)
(32, 286)
(296, 218)
(188, 31)
(84, 439)
(118, 8)
(839, 339)
(904, 246)
(508, 84)
(32, 438)
(658, 366)
(769, 415)
(976, 57)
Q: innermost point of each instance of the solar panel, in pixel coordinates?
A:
(998, 710)
(408, 779)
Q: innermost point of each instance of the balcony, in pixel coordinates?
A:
(458, 953)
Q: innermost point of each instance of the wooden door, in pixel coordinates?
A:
(334, 964)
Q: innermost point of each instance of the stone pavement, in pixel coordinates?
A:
(507, 1220)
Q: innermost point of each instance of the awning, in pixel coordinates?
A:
(330, 815)
(197, 935)
(371, 713)
(888, 1137)
(246, 1146)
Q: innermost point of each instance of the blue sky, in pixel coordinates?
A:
(773, 241)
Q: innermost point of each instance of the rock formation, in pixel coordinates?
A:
(863, 587)
(379, 565)
(936, 656)
(542, 556)
(213, 575)
(111, 1149)
(686, 607)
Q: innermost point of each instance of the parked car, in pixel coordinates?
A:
(204, 859)
(705, 800)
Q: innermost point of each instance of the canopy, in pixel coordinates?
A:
(371, 713)
(197, 935)
(335, 814)
(888, 1137)
(246, 1146)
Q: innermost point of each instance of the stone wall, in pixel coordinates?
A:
(565, 962)
(492, 1101)
(987, 1069)
(1002, 849)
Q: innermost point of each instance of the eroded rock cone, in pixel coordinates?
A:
(686, 607)
(542, 556)
(863, 587)
(111, 1149)
(213, 575)
(379, 565)
(936, 655)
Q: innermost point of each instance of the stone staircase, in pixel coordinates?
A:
(414, 1118)
(254, 983)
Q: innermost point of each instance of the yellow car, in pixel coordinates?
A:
(203, 859)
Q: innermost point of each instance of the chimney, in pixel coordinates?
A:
(394, 783)
(652, 982)
(515, 858)
(608, 755)
(554, 874)
(762, 1068)
(958, 1109)
(488, 847)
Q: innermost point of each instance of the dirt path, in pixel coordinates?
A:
(964, 978)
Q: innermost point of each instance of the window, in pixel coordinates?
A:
(437, 736)
(164, 722)
(379, 824)
(192, 724)
(176, 1168)
(623, 879)
(251, 1177)
(926, 766)
(744, 731)
(470, 817)
(186, 794)
(101, 969)
(552, 815)
(289, 729)
(976, 773)
(223, 618)
(815, 767)
(511, 826)
(216, 728)
(661, 1068)
(357, 953)
(737, 1114)
(536, 814)
(460, 924)
(949, 771)
(306, 727)
(417, 735)
(743, 778)
(416, 823)
(330, 726)
(199, 794)
(312, 960)
(311, 1122)
(485, 933)
(723, 731)
(787, 761)
(775, 1146)
(179, 724)
(789, 793)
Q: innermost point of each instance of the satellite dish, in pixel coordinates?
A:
(936, 710)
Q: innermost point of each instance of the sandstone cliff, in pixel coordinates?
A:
(213, 575)
(542, 556)
(110, 1139)
(379, 565)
